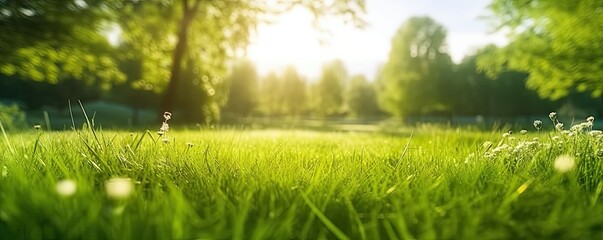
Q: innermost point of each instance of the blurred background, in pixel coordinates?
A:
(294, 62)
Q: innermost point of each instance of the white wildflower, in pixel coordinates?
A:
(538, 124)
(523, 131)
(118, 188)
(164, 127)
(167, 116)
(501, 148)
(506, 135)
(66, 187)
(559, 126)
(564, 163)
(520, 146)
(37, 126)
(595, 132)
(576, 128)
(553, 116)
(590, 119)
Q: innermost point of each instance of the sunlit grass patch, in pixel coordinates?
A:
(278, 184)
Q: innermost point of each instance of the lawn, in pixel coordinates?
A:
(427, 182)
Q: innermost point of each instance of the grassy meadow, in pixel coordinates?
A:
(427, 182)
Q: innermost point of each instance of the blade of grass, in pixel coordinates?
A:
(405, 150)
(355, 217)
(10, 147)
(71, 115)
(47, 120)
(330, 225)
(89, 123)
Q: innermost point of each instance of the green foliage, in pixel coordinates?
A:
(292, 92)
(557, 42)
(330, 89)
(361, 98)
(47, 64)
(52, 41)
(476, 93)
(283, 95)
(270, 103)
(417, 73)
(165, 46)
(243, 89)
(11, 117)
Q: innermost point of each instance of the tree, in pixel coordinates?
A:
(559, 43)
(243, 89)
(292, 92)
(330, 89)
(192, 39)
(361, 98)
(56, 42)
(270, 98)
(414, 79)
(217, 29)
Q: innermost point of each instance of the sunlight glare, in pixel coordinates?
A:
(291, 40)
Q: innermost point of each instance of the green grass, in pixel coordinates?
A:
(291, 184)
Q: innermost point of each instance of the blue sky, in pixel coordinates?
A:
(292, 39)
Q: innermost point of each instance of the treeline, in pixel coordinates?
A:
(468, 92)
(175, 55)
(418, 80)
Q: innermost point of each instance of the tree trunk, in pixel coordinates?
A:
(179, 52)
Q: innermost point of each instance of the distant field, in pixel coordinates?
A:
(291, 184)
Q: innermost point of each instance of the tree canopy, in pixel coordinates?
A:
(361, 98)
(559, 43)
(242, 89)
(54, 41)
(331, 87)
(416, 73)
(172, 43)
